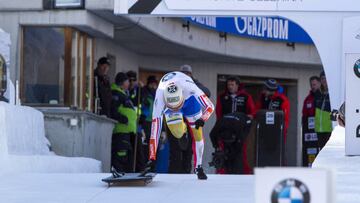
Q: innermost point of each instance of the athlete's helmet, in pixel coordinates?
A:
(173, 96)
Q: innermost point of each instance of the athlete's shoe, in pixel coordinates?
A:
(200, 173)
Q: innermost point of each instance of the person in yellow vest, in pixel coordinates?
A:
(323, 124)
(125, 131)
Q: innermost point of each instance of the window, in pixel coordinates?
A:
(57, 67)
(68, 3)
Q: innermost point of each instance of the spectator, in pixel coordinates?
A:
(234, 99)
(308, 110)
(188, 71)
(102, 83)
(124, 133)
(271, 99)
(308, 123)
(148, 94)
(134, 88)
(323, 124)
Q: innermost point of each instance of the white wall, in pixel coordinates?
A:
(204, 39)
(125, 59)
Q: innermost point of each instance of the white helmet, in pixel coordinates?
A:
(173, 96)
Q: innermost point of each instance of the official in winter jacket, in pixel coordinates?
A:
(271, 99)
(310, 138)
(234, 99)
(323, 124)
(103, 86)
(124, 133)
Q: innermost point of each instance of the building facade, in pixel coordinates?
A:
(55, 48)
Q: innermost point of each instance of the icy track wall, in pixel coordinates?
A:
(22, 134)
(3, 140)
(5, 52)
(24, 130)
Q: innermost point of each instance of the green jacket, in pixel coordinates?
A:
(323, 123)
(122, 110)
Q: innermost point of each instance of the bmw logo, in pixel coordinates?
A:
(357, 68)
(290, 191)
(172, 89)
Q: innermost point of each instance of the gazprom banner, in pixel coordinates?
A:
(260, 27)
(264, 5)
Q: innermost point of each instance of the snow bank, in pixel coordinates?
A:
(52, 164)
(3, 138)
(24, 129)
(5, 52)
(24, 147)
(333, 154)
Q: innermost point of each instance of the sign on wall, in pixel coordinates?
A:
(257, 27)
(352, 140)
(351, 48)
(278, 185)
(261, 5)
(163, 6)
(68, 3)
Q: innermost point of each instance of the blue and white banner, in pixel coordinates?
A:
(260, 27)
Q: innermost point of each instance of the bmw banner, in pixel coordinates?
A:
(293, 185)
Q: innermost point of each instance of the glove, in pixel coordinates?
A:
(142, 120)
(199, 123)
(163, 137)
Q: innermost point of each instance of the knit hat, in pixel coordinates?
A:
(186, 68)
(121, 78)
(131, 75)
(103, 60)
(152, 79)
(271, 84)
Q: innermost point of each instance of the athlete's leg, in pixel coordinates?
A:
(192, 112)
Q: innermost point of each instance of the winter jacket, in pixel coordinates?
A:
(242, 102)
(123, 110)
(104, 93)
(308, 111)
(202, 87)
(276, 102)
(323, 122)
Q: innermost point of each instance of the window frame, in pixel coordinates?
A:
(80, 66)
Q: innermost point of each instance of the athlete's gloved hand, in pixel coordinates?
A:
(199, 123)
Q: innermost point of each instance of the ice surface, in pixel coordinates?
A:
(88, 188)
(346, 168)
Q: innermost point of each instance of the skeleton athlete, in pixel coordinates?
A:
(183, 104)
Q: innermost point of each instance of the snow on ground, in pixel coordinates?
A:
(51, 164)
(346, 168)
(89, 188)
